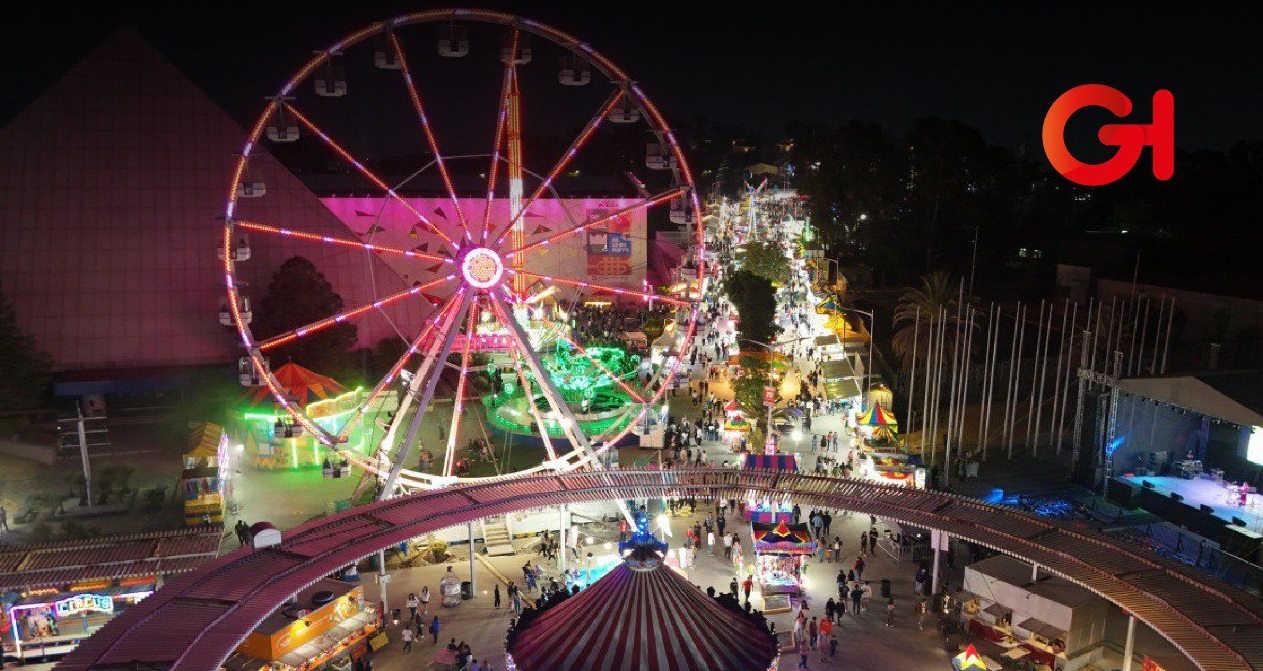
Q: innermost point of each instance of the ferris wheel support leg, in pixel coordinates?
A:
(555, 399)
(414, 424)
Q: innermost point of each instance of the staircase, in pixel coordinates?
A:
(495, 536)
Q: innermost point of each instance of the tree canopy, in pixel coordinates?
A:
(755, 300)
(766, 259)
(24, 367)
(299, 295)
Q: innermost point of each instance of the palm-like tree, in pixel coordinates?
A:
(936, 301)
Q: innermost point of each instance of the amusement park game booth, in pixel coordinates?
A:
(205, 483)
(780, 551)
(327, 626)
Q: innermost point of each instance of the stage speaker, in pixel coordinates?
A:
(1124, 494)
(1176, 497)
(1238, 521)
(1207, 509)
(1146, 484)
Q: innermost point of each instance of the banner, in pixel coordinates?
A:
(609, 245)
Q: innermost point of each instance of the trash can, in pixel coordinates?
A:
(466, 590)
(885, 588)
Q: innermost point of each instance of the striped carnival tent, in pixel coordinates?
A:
(770, 462)
(647, 618)
(301, 384)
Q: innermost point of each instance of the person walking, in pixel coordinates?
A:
(434, 629)
(890, 613)
(4, 521)
(406, 637)
(859, 568)
(710, 542)
(856, 595)
(732, 588)
(497, 597)
(813, 631)
(727, 543)
(804, 649)
(830, 607)
(721, 522)
(863, 543)
(922, 608)
(425, 600)
(822, 644)
(747, 586)
(412, 603)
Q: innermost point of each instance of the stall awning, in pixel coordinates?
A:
(828, 340)
(997, 610)
(770, 462)
(782, 538)
(1040, 627)
(842, 389)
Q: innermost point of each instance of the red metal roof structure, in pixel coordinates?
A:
(162, 553)
(643, 619)
(198, 619)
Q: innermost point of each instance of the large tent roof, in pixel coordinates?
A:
(303, 385)
(877, 416)
(1235, 397)
(642, 620)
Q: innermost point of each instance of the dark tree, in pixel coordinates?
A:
(755, 300)
(298, 296)
(24, 368)
(766, 259)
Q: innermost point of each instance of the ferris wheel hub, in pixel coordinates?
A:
(482, 268)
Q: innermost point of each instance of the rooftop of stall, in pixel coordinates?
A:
(287, 635)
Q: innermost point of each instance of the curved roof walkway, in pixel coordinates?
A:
(196, 620)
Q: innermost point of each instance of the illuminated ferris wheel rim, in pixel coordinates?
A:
(478, 264)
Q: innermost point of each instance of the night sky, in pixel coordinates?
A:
(995, 67)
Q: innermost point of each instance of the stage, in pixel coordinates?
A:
(1204, 491)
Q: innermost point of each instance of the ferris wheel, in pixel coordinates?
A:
(476, 268)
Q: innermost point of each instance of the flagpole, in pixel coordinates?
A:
(1043, 374)
(1030, 405)
(964, 388)
(912, 375)
(925, 394)
(951, 396)
(1065, 379)
(1008, 388)
(1061, 355)
(995, 347)
(1017, 382)
(982, 392)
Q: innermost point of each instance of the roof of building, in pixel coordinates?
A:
(1015, 572)
(107, 557)
(1232, 396)
(642, 620)
(113, 184)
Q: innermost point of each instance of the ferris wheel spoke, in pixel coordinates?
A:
(577, 229)
(620, 291)
(596, 362)
(525, 384)
(341, 242)
(502, 120)
(341, 317)
(564, 161)
(394, 372)
(458, 403)
(578, 439)
(368, 174)
(436, 354)
(429, 133)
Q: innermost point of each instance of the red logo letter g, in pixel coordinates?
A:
(1129, 138)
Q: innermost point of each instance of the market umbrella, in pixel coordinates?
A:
(969, 659)
(300, 384)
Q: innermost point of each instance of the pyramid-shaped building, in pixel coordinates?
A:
(112, 191)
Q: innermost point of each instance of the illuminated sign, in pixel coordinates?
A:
(83, 603)
(1130, 138)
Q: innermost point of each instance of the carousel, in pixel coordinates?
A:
(641, 616)
(272, 441)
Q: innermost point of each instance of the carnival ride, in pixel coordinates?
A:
(478, 264)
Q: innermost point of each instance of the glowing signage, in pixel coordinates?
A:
(83, 603)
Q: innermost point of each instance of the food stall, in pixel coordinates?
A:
(889, 468)
(780, 550)
(327, 626)
(206, 481)
(765, 509)
(736, 426)
(1047, 620)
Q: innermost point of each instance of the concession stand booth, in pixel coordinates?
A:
(54, 595)
(765, 509)
(1035, 616)
(206, 481)
(780, 550)
(327, 626)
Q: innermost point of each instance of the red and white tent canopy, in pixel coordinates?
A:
(642, 620)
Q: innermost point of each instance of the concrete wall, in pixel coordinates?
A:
(44, 454)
